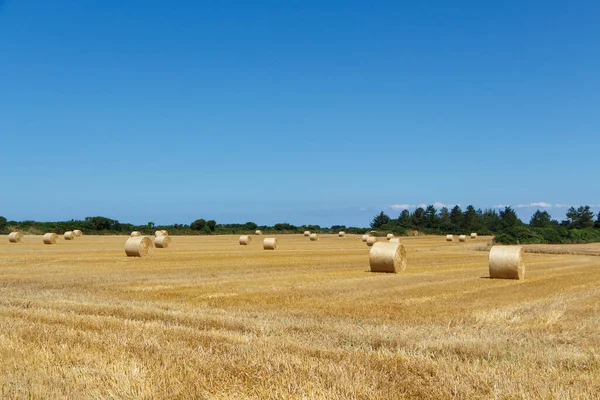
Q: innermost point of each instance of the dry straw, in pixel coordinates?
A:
(506, 262)
(342, 234)
(307, 233)
(50, 238)
(389, 236)
(462, 238)
(258, 232)
(371, 240)
(395, 240)
(69, 235)
(159, 233)
(77, 233)
(365, 237)
(162, 242)
(139, 246)
(270, 244)
(387, 257)
(473, 235)
(15, 237)
(449, 238)
(314, 237)
(245, 240)
(136, 233)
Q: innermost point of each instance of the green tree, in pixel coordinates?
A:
(581, 217)
(444, 216)
(598, 221)
(404, 219)
(418, 217)
(540, 219)
(508, 218)
(379, 220)
(198, 225)
(470, 217)
(3, 223)
(456, 217)
(431, 218)
(212, 224)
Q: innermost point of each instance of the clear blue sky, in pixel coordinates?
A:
(320, 112)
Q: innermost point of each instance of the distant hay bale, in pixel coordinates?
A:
(506, 262)
(77, 233)
(389, 236)
(270, 244)
(245, 240)
(258, 232)
(371, 240)
(307, 233)
(473, 235)
(15, 237)
(342, 234)
(159, 233)
(395, 240)
(449, 238)
(462, 238)
(162, 242)
(69, 235)
(314, 237)
(387, 257)
(50, 238)
(365, 237)
(136, 233)
(139, 246)
(165, 232)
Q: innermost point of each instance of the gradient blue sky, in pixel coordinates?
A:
(297, 111)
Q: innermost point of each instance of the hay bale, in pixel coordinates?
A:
(314, 237)
(15, 237)
(69, 235)
(245, 240)
(365, 237)
(371, 240)
(165, 232)
(159, 233)
(50, 238)
(139, 246)
(307, 233)
(473, 235)
(395, 240)
(387, 257)
(258, 232)
(136, 233)
(270, 244)
(449, 238)
(342, 234)
(77, 233)
(462, 238)
(506, 262)
(389, 236)
(162, 242)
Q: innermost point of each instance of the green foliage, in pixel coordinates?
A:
(3, 224)
(212, 224)
(581, 217)
(198, 224)
(540, 219)
(380, 220)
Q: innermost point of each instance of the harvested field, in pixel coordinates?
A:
(590, 249)
(209, 318)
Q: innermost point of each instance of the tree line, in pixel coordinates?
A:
(579, 226)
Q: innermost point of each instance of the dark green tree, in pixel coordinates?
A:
(431, 218)
(418, 217)
(212, 224)
(404, 219)
(198, 224)
(3, 223)
(540, 219)
(444, 216)
(508, 218)
(580, 218)
(380, 220)
(470, 218)
(456, 217)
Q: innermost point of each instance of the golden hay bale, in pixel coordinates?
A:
(162, 242)
(77, 233)
(245, 240)
(506, 262)
(449, 238)
(365, 237)
(165, 232)
(314, 237)
(395, 240)
(15, 237)
(139, 246)
(306, 233)
(50, 238)
(159, 233)
(473, 235)
(462, 238)
(258, 232)
(69, 235)
(371, 240)
(387, 257)
(342, 234)
(136, 233)
(270, 243)
(389, 236)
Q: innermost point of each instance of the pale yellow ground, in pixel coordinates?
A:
(209, 318)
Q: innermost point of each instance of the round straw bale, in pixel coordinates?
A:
(245, 240)
(371, 240)
(449, 238)
(159, 233)
(387, 257)
(69, 235)
(307, 233)
(162, 242)
(473, 235)
(15, 237)
(139, 246)
(365, 237)
(506, 262)
(165, 232)
(342, 234)
(77, 233)
(389, 236)
(314, 237)
(395, 240)
(136, 233)
(270, 243)
(50, 238)
(258, 232)
(462, 238)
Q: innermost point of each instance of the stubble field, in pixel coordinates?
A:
(208, 318)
